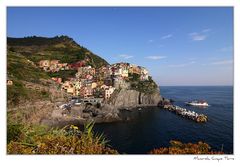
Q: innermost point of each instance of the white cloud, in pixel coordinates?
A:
(155, 57)
(182, 65)
(200, 36)
(125, 56)
(222, 62)
(167, 36)
(150, 41)
(197, 36)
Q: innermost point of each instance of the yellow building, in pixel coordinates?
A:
(94, 85)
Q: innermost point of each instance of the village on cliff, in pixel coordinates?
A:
(90, 82)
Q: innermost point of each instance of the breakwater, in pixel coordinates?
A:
(183, 112)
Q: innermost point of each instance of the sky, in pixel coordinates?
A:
(179, 46)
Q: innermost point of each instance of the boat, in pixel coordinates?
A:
(77, 102)
(202, 103)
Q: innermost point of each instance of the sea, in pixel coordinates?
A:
(153, 127)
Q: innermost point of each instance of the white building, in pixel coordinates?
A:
(108, 92)
(144, 74)
(124, 72)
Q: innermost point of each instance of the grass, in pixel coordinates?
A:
(68, 140)
(20, 69)
(17, 94)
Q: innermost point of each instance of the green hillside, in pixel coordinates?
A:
(20, 69)
(62, 48)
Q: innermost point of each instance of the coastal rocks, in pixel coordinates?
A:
(106, 113)
(110, 113)
(132, 98)
(81, 114)
(200, 118)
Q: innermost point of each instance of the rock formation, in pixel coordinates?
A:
(132, 98)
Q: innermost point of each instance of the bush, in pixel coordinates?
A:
(134, 77)
(177, 147)
(68, 140)
(45, 94)
(13, 132)
(147, 86)
(63, 74)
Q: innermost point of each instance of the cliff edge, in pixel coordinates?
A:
(132, 98)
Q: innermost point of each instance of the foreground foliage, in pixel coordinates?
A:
(69, 140)
(177, 147)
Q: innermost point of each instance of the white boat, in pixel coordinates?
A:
(78, 102)
(198, 103)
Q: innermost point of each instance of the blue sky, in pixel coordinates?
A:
(179, 46)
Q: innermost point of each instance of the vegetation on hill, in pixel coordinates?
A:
(18, 93)
(20, 69)
(145, 86)
(41, 41)
(62, 48)
(63, 74)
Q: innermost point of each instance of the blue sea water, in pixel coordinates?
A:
(154, 127)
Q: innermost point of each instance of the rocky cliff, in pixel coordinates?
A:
(132, 98)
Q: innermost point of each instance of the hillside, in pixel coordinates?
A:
(23, 55)
(21, 70)
(62, 48)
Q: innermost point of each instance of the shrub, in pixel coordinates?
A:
(13, 132)
(68, 140)
(177, 147)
